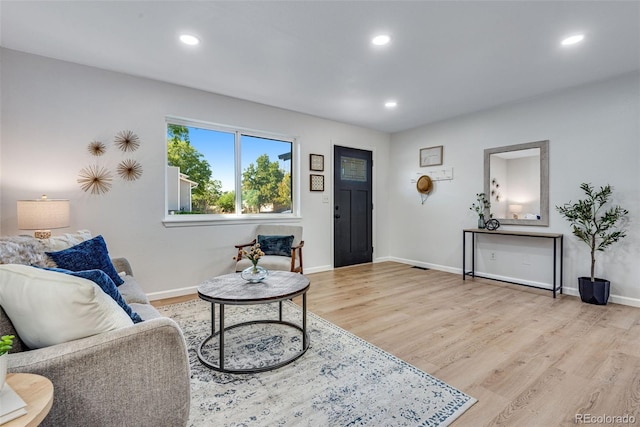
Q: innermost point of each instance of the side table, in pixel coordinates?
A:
(37, 392)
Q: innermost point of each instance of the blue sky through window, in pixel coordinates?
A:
(218, 149)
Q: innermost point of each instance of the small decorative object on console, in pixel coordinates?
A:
(492, 224)
(481, 206)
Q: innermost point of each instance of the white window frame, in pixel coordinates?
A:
(237, 217)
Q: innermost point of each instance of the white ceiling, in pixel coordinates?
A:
(445, 58)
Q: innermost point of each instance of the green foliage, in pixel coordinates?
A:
(481, 205)
(227, 202)
(205, 200)
(283, 201)
(182, 154)
(597, 229)
(178, 133)
(260, 182)
(6, 343)
(264, 183)
(191, 162)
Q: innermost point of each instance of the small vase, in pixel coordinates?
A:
(3, 369)
(254, 274)
(481, 223)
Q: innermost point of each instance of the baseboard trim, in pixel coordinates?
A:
(153, 296)
(426, 265)
(319, 269)
(572, 291)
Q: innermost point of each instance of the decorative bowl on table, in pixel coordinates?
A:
(254, 274)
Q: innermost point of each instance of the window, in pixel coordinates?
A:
(216, 170)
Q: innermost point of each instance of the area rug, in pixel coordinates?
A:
(341, 380)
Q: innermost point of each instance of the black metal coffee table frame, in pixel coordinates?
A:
(250, 298)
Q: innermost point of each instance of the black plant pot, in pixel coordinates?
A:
(596, 292)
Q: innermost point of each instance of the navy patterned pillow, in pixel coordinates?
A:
(101, 279)
(276, 245)
(88, 255)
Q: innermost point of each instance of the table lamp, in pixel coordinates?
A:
(515, 209)
(42, 215)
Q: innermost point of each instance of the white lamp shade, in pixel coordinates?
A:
(515, 208)
(43, 214)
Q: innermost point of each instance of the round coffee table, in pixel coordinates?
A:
(231, 289)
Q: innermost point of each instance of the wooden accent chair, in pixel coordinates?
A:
(292, 263)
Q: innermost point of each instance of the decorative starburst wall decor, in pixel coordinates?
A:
(129, 170)
(95, 179)
(127, 141)
(97, 148)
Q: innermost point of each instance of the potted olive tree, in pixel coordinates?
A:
(599, 230)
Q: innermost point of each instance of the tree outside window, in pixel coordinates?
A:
(202, 164)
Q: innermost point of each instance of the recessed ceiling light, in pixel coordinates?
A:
(572, 40)
(391, 104)
(381, 40)
(189, 39)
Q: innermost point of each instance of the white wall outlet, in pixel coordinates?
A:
(325, 198)
(492, 257)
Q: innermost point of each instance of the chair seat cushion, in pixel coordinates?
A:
(270, 262)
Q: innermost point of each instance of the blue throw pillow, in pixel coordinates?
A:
(101, 279)
(276, 245)
(89, 255)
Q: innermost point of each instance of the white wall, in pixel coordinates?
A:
(594, 137)
(53, 109)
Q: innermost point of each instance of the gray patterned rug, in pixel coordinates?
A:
(341, 380)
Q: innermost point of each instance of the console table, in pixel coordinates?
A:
(557, 243)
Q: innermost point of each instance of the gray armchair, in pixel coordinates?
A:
(291, 263)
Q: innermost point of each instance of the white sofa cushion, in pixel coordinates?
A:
(48, 308)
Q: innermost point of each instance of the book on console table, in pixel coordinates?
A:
(11, 405)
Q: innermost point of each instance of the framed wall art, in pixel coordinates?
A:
(431, 156)
(316, 162)
(316, 182)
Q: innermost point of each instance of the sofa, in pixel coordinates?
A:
(137, 375)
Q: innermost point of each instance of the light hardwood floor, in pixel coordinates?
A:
(530, 360)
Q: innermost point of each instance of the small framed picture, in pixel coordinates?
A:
(316, 162)
(316, 182)
(431, 156)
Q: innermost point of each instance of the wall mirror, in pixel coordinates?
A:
(516, 182)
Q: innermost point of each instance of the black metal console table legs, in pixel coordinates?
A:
(557, 244)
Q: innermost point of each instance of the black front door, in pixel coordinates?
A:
(353, 206)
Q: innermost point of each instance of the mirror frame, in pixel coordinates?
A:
(544, 181)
